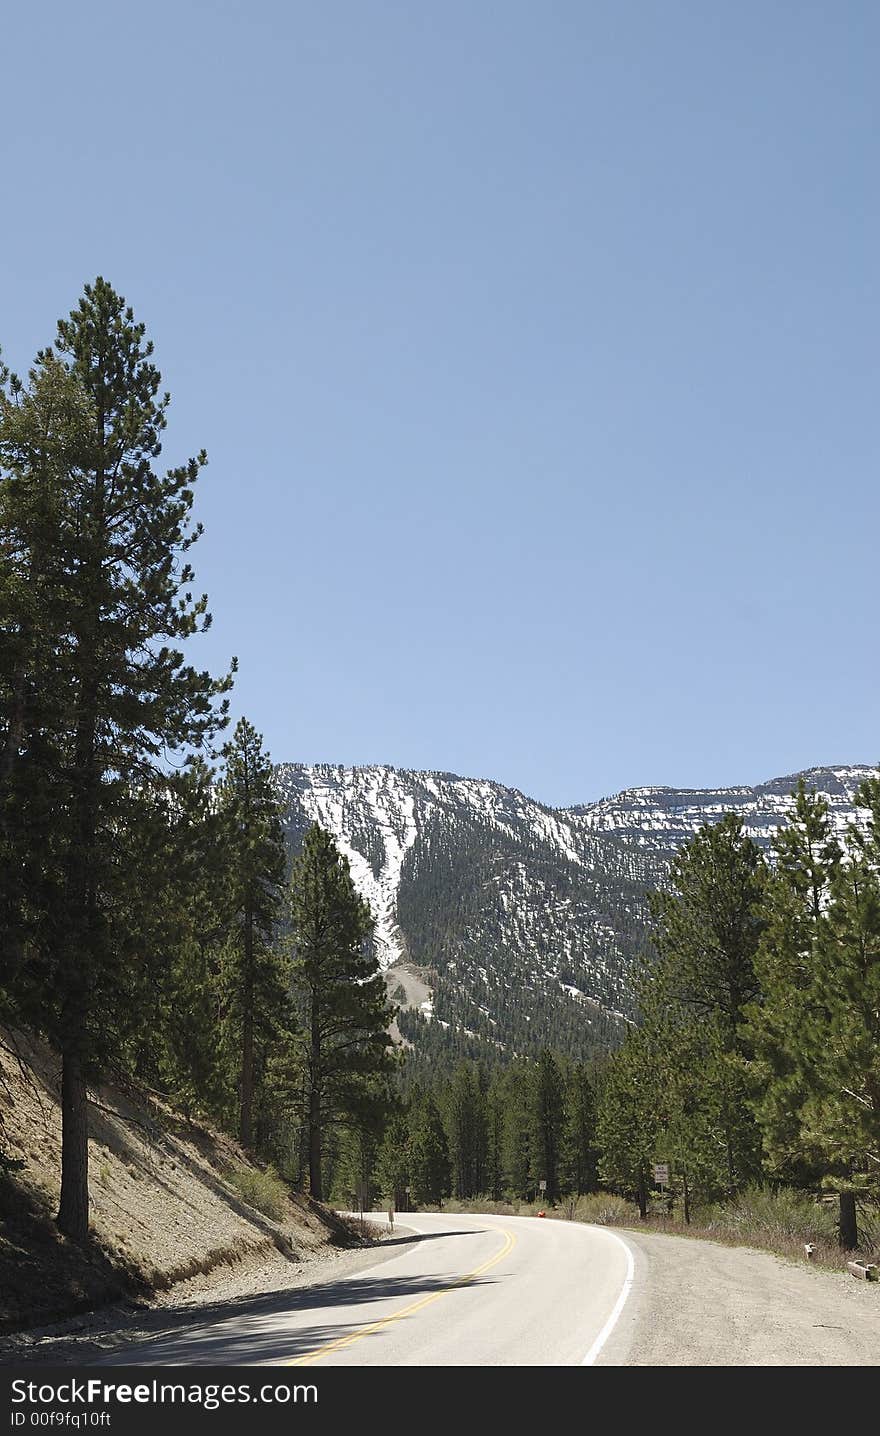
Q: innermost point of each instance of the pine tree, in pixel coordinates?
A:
(548, 1118)
(114, 604)
(393, 1167)
(706, 929)
(354, 1177)
(43, 434)
(629, 1118)
(255, 978)
(579, 1132)
(496, 1121)
(181, 1053)
(701, 1105)
(518, 1144)
(429, 1153)
(466, 1130)
(842, 1112)
(707, 924)
(340, 992)
(798, 892)
(838, 1046)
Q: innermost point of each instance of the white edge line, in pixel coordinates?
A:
(590, 1358)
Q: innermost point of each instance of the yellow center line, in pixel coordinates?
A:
(321, 1351)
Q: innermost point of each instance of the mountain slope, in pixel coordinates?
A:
(524, 920)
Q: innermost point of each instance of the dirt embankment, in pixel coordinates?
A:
(163, 1209)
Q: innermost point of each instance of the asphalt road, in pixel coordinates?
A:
(462, 1291)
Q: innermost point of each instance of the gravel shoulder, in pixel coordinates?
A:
(247, 1287)
(697, 1303)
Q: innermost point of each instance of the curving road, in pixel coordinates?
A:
(460, 1291)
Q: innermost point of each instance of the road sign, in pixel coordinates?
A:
(542, 1186)
(661, 1174)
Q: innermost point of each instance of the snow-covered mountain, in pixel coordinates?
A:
(659, 820)
(522, 920)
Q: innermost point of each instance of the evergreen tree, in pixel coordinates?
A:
(840, 1040)
(393, 1164)
(518, 1144)
(838, 1047)
(706, 929)
(629, 1119)
(798, 892)
(466, 1130)
(707, 924)
(496, 1121)
(548, 1117)
(43, 434)
(579, 1132)
(429, 1153)
(176, 1050)
(355, 1171)
(114, 604)
(254, 976)
(340, 992)
(701, 1106)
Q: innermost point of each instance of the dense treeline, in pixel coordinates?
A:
(479, 1133)
(148, 928)
(758, 1054)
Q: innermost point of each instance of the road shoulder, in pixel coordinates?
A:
(698, 1303)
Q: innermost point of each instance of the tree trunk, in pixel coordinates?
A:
(245, 1125)
(686, 1198)
(246, 1116)
(315, 1182)
(849, 1230)
(731, 1174)
(73, 1210)
(643, 1197)
(315, 1185)
(246, 1120)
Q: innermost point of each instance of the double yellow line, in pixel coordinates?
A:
(343, 1341)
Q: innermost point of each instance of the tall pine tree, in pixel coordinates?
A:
(807, 856)
(707, 924)
(115, 606)
(340, 995)
(254, 976)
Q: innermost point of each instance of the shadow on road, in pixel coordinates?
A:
(252, 1331)
(427, 1237)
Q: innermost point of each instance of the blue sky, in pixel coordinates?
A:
(535, 351)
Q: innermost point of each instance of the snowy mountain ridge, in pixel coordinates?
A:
(523, 919)
(377, 813)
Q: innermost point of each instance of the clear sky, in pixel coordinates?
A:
(534, 347)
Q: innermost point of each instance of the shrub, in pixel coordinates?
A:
(605, 1209)
(781, 1215)
(264, 1190)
